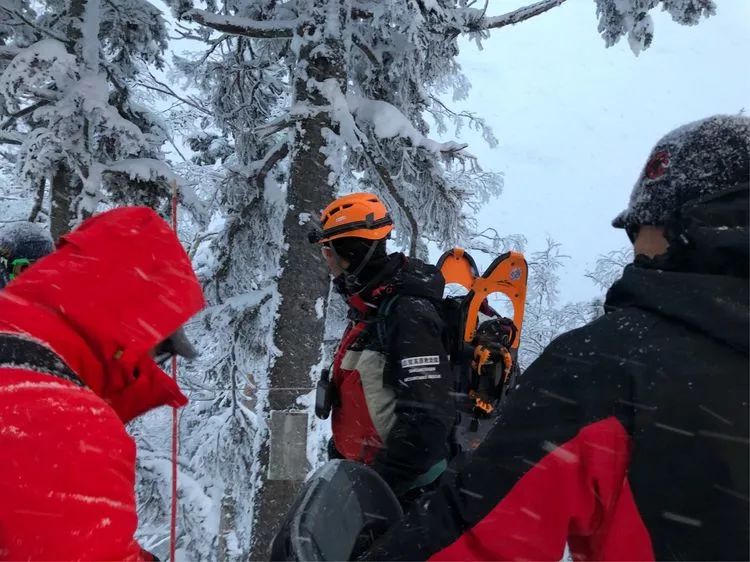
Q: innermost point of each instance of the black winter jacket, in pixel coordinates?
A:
(627, 439)
(395, 409)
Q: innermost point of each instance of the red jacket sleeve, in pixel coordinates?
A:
(566, 496)
(67, 469)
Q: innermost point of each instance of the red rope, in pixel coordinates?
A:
(175, 427)
(173, 517)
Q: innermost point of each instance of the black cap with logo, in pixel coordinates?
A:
(697, 161)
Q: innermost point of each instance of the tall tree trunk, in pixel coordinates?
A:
(299, 329)
(66, 187)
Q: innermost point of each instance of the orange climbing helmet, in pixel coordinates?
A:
(357, 215)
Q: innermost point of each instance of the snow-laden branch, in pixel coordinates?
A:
(388, 122)
(35, 70)
(362, 10)
(274, 156)
(142, 169)
(366, 50)
(162, 88)
(514, 17)
(385, 119)
(32, 24)
(235, 25)
(23, 112)
(297, 112)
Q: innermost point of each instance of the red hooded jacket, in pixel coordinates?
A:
(117, 286)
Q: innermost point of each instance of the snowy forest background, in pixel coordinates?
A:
(259, 111)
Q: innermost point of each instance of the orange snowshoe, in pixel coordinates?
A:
(483, 353)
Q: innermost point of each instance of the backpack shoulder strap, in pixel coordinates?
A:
(18, 351)
(383, 312)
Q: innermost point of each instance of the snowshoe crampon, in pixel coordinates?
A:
(340, 511)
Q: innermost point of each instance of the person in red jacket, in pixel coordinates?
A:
(78, 333)
(627, 438)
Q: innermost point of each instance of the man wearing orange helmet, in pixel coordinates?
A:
(391, 384)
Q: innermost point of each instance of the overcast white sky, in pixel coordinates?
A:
(576, 120)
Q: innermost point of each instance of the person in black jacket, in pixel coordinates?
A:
(393, 409)
(627, 438)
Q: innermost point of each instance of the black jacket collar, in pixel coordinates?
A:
(400, 276)
(716, 305)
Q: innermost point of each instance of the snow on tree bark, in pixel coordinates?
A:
(65, 188)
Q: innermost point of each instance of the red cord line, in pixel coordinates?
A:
(173, 518)
(175, 427)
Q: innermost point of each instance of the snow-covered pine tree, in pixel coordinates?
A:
(66, 102)
(631, 18)
(356, 79)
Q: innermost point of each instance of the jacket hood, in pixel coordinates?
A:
(400, 275)
(122, 283)
(406, 277)
(715, 305)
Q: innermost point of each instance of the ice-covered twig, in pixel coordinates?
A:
(458, 116)
(8, 137)
(23, 112)
(608, 267)
(198, 241)
(390, 187)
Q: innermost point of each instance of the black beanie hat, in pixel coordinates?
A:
(698, 160)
